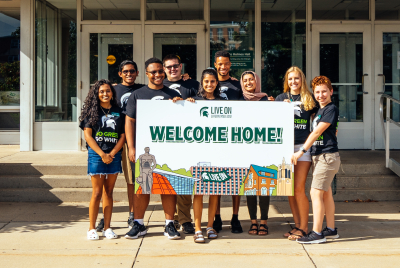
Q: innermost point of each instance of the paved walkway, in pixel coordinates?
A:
(54, 235)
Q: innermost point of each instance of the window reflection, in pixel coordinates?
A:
(387, 10)
(340, 10)
(55, 91)
(232, 27)
(283, 42)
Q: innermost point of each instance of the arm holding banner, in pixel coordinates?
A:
(130, 131)
(322, 126)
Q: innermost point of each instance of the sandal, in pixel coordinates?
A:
(251, 231)
(198, 237)
(265, 230)
(290, 232)
(92, 235)
(211, 233)
(109, 234)
(294, 237)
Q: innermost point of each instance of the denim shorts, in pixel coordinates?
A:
(97, 167)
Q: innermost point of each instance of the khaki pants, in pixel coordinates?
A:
(325, 167)
(127, 166)
(184, 204)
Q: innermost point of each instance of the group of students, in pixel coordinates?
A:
(108, 119)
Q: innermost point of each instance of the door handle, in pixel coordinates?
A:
(383, 91)
(362, 83)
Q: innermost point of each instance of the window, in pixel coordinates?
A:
(174, 9)
(220, 35)
(111, 10)
(230, 33)
(55, 91)
(342, 10)
(264, 181)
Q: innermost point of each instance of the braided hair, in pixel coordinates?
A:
(91, 105)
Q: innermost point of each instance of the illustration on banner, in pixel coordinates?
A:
(206, 179)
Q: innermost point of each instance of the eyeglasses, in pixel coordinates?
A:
(176, 66)
(132, 71)
(156, 72)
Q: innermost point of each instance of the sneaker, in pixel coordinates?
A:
(328, 233)
(187, 228)
(312, 238)
(171, 232)
(130, 222)
(177, 225)
(236, 228)
(100, 227)
(217, 225)
(136, 231)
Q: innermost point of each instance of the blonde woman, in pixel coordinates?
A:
(296, 90)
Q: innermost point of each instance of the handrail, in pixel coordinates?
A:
(390, 162)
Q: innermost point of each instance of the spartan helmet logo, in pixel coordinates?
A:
(124, 99)
(315, 122)
(297, 109)
(223, 90)
(175, 87)
(204, 112)
(158, 98)
(108, 121)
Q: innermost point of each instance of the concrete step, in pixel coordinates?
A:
(52, 181)
(83, 181)
(22, 169)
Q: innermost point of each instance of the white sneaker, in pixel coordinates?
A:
(92, 235)
(109, 234)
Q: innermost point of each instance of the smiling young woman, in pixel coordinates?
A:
(104, 127)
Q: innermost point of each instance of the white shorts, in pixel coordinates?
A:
(305, 157)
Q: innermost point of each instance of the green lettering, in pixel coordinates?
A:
(222, 134)
(210, 134)
(198, 134)
(169, 134)
(186, 134)
(236, 136)
(248, 135)
(260, 135)
(271, 135)
(178, 136)
(157, 133)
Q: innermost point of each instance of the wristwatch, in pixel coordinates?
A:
(303, 150)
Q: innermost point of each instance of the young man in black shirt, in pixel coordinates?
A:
(155, 90)
(187, 88)
(230, 90)
(128, 73)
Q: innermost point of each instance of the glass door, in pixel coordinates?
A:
(342, 53)
(104, 47)
(186, 41)
(387, 79)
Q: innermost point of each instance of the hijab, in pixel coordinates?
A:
(257, 95)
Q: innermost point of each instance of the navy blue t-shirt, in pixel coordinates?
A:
(123, 92)
(186, 88)
(230, 89)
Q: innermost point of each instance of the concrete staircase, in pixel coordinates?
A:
(23, 182)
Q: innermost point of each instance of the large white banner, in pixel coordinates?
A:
(214, 148)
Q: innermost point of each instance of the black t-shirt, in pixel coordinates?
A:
(302, 118)
(146, 93)
(108, 129)
(186, 88)
(123, 93)
(201, 98)
(231, 89)
(327, 142)
(265, 98)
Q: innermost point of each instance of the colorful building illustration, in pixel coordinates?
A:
(285, 179)
(229, 187)
(165, 182)
(260, 181)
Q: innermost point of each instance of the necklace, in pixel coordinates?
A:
(105, 112)
(292, 99)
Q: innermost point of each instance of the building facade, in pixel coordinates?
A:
(53, 51)
(260, 181)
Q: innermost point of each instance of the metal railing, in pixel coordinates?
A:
(390, 162)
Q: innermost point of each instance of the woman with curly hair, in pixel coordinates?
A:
(104, 127)
(295, 90)
(326, 161)
(209, 89)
